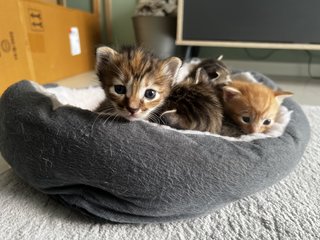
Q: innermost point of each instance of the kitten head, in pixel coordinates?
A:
(252, 106)
(217, 71)
(135, 81)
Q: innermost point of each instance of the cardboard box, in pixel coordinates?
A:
(15, 57)
(45, 42)
(51, 1)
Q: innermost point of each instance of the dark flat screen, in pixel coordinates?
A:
(280, 21)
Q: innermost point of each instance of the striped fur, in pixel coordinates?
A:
(193, 104)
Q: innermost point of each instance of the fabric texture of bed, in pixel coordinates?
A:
(287, 210)
(137, 172)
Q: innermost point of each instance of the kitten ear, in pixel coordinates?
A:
(220, 57)
(171, 67)
(230, 93)
(281, 95)
(105, 53)
(201, 76)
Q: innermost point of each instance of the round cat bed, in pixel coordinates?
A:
(138, 172)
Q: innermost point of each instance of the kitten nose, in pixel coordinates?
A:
(254, 129)
(132, 110)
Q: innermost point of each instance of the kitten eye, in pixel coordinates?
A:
(150, 93)
(266, 122)
(246, 119)
(120, 89)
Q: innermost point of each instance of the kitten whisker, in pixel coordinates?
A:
(156, 118)
(115, 116)
(153, 118)
(169, 111)
(112, 116)
(106, 110)
(99, 115)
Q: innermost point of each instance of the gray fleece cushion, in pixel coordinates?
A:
(136, 172)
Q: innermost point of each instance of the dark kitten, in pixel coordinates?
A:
(193, 104)
(135, 81)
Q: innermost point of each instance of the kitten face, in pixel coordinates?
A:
(135, 82)
(254, 107)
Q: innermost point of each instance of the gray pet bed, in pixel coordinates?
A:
(138, 172)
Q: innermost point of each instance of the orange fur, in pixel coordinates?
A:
(252, 105)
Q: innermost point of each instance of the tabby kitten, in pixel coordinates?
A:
(193, 104)
(252, 106)
(135, 82)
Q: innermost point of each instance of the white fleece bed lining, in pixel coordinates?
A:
(90, 98)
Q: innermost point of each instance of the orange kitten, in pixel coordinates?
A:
(252, 106)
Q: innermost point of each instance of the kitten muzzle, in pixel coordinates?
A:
(132, 111)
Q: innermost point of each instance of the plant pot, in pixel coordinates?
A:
(156, 33)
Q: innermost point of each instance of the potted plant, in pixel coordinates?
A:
(155, 23)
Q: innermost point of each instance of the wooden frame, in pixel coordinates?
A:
(96, 5)
(97, 9)
(108, 19)
(62, 2)
(181, 41)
